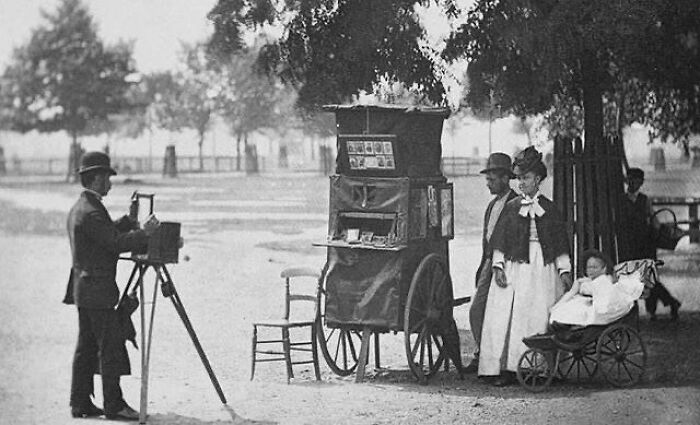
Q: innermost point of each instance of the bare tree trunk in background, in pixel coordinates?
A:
(199, 144)
(238, 151)
(73, 159)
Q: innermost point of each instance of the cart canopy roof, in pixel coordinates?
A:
(442, 112)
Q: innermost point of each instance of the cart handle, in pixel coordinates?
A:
(460, 301)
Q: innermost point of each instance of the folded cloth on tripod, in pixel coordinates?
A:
(126, 307)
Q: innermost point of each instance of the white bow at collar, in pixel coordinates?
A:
(531, 206)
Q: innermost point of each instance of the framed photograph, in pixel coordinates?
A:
(359, 147)
(351, 147)
(353, 162)
(369, 148)
(371, 162)
(389, 162)
(380, 161)
(353, 235)
(366, 237)
(378, 147)
(361, 163)
(379, 240)
(388, 148)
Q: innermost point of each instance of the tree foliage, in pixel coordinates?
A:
(639, 57)
(331, 49)
(187, 99)
(65, 76)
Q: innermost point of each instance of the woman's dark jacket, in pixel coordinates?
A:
(512, 236)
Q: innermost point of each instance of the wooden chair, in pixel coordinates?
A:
(285, 324)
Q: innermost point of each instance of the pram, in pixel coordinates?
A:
(615, 350)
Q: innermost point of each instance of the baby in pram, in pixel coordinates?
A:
(597, 298)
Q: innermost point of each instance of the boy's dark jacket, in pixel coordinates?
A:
(512, 235)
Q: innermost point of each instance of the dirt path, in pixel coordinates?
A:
(232, 278)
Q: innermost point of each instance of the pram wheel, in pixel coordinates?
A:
(621, 355)
(535, 369)
(579, 364)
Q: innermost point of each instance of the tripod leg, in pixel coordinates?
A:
(144, 358)
(169, 288)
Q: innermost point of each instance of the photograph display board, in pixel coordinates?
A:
(369, 154)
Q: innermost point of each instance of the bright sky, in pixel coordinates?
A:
(156, 26)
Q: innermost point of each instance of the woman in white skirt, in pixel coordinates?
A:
(532, 270)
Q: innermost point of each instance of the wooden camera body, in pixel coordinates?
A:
(164, 242)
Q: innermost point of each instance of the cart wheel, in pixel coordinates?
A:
(535, 371)
(622, 355)
(580, 364)
(339, 346)
(428, 307)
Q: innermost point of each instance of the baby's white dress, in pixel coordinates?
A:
(599, 301)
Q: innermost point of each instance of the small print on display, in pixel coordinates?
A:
(353, 162)
(381, 161)
(389, 162)
(388, 149)
(351, 147)
(369, 148)
(371, 162)
(378, 147)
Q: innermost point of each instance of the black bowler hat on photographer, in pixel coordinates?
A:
(499, 161)
(95, 160)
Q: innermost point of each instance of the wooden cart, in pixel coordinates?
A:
(390, 221)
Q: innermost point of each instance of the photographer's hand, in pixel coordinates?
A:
(151, 224)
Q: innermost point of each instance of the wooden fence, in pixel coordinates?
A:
(452, 166)
(588, 184)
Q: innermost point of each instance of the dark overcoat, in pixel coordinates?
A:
(486, 248)
(96, 242)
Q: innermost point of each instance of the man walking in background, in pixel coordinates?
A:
(498, 173)
(635, 239)
(96, 242)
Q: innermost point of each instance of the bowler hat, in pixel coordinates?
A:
(95, 161)
(498, 161)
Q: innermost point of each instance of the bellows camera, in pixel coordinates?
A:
(164, 242)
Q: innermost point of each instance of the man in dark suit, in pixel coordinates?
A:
(96, 242)
(498, 173)
(635, 241)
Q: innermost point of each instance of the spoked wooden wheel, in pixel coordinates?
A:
(578, 365)
(428, 309)
(622, 356)
(535, 371)
(339, 346)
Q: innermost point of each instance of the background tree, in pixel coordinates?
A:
(65, 76)
(186, 99)
(332, 49)
(250, 101)
(568, 57)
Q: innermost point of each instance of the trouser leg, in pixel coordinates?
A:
(84, 362)
(659, 292)
(111, 357)
(478, 307)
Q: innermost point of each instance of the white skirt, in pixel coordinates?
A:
(519, 310)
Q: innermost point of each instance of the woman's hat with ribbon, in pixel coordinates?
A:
(529, 159)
